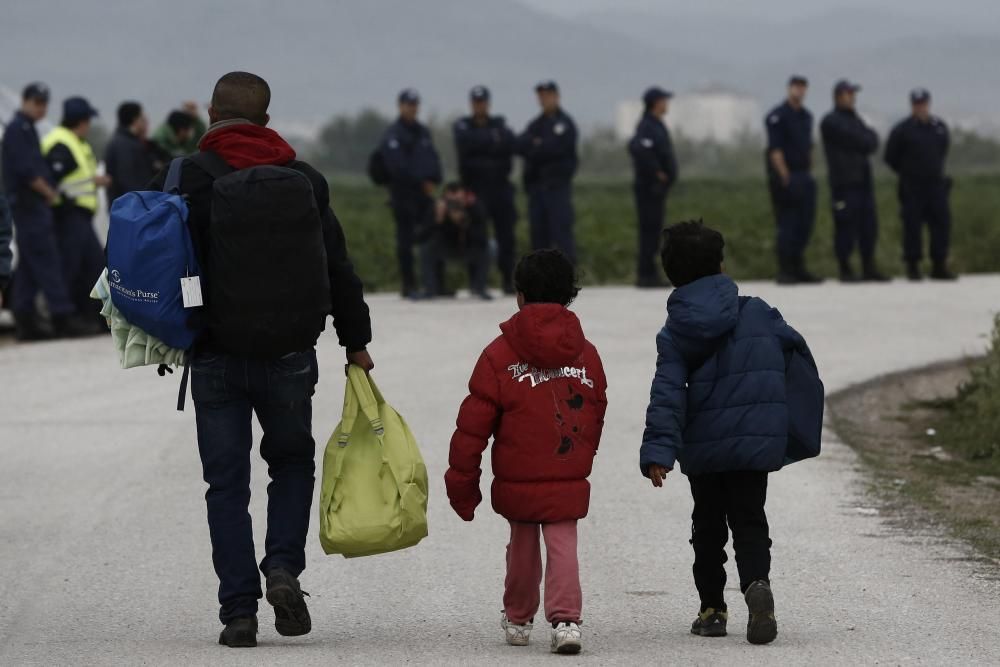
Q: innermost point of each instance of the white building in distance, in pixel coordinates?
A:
(709, 114)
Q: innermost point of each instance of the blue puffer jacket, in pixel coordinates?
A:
(718, 398)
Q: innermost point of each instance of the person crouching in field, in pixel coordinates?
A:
(718, 405)
(539, 390)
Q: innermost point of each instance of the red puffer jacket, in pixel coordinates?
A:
(540, 391)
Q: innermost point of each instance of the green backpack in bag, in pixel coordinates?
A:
(374, 491)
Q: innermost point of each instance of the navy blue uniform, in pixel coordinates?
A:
(916, 150)
(80, 250)
(411, 160)
(652, 153)
(548, 146)
(848, 142)
(789, 130)
(485, 151)
(39, 267)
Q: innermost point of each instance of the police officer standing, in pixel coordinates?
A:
(916, 150)
(485, 148)
(793, 190)
(848, 141)
(414, 171)
(31, 193)
(655, 169)
(548, 146)
(74, 169)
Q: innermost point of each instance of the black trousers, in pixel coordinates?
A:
(795, 215)
(498, 198)
(651, 207)
(855, 222)
(736, 499)
(409, 212)
(921, 203)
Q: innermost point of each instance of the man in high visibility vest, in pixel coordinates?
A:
(74, 168)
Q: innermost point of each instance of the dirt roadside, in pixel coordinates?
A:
(918, 482)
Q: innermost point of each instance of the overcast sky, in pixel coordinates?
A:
(780, 9)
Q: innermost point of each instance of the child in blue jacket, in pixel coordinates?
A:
(718, 407)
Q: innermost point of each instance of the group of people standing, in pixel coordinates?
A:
(408, 164)
(52, 184)
(916, 150)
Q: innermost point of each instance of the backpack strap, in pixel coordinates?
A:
(173, 180)
(212, 163)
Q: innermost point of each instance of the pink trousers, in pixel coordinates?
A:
(563, 597)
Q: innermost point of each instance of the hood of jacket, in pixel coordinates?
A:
(244, 144)
(707, 308)
(545, 335)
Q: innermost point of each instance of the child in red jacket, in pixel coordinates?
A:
(539, 390)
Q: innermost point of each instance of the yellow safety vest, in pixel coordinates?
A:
(78, 185)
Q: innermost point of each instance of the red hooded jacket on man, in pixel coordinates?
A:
(539, 390)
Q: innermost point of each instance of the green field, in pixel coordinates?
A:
(741, 209)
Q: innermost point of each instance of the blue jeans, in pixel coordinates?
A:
(227, 391)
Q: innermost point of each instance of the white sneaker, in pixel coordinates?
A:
(566, 638)
(516, 635)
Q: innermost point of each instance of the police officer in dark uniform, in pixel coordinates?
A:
(655, 169)
(548, 146)
(485, 148)
(31, 192)
(788, 161)
(848, 142)
(916, 150)
(414, 172)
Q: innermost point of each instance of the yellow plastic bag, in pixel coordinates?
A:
(374, 491)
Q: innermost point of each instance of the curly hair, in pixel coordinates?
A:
(546, 276)
(691, 251)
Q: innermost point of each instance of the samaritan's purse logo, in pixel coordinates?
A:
(138, 295)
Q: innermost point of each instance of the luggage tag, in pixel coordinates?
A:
(191, 292)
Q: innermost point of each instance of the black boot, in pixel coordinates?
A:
(847, 274)
(70, 326)
(913, 272)
(28, 327)
(871, 274)
(240, 633)
(941, 272)
(803, 275)
(786, 272)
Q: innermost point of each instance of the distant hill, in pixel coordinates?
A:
(329, 56)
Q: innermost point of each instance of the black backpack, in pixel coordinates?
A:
(377, 171)
(265, 264)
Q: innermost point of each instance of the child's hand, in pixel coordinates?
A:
(657, 474)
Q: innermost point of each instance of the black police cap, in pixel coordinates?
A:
(654, 94)
(36, 91)
(479, 94)
(409, 96)
(844, 85)
(548, 86)
(78, 108)
(919, 95)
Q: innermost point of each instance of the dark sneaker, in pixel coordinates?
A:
(291, 616)
(913, 272)
(848, 276)
(71, 326)
(806, 278)
(28, 328)
(761, 628)
(871, 274)
(710, 623)
(240, 633)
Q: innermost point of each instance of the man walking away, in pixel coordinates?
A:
(414, 171)
(917, 149)
(74, 169)
(274, 266)
(30, 188)
(848, 141)
(793, 190)
(548, 146)
(485, 148)
(655, 169)
(128, 158)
